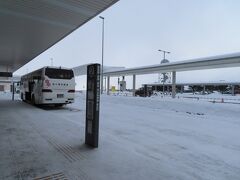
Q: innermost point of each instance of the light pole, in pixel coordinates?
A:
(161, 62)
(164, 53)
(51, 61)
(102, 52)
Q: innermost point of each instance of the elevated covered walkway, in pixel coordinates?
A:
(213, 62)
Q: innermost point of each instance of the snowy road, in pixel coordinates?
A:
(140, 138)
(186, 139)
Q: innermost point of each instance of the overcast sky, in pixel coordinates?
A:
(136, 29)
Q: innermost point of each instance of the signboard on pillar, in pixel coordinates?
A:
(92, 105)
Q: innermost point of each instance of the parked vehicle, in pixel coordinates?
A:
(144, 93)
(48, 85)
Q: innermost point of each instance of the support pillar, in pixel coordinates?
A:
(13, 91)
(233, 90)
(134, 84)
(105, 84)
(145, 90)
(173, 84)
(163, 89)
(182, 89)
(204, 89)
(108, 85)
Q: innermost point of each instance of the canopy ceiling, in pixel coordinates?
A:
(29, 27)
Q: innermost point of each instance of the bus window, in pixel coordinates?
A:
(59, 73)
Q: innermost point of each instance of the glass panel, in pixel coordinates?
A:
(59, 73)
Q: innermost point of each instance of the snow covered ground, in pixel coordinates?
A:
(189, 139)
(160, 138)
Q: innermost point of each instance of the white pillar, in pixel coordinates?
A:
(105, 84)
(204, 89)
(108, 85)
(173, 84)
(134, 84)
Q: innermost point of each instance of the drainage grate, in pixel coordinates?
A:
(57, 176)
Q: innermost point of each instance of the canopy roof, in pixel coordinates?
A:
(30, 27)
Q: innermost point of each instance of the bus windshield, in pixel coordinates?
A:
(59, 73)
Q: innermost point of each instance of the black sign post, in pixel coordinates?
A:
(92, 105)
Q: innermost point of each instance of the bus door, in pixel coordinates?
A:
(30, 89)
(37, 88)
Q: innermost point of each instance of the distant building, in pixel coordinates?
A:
(204, 88)
(6, 83)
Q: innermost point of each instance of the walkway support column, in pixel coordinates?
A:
(233, 90)
(13, 91)
(134, 84)
(105, 84)
(173, 84)
(108, 85)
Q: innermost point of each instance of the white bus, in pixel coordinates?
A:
(48, 85)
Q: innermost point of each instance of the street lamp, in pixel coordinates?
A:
(164, 74)
(164, 52)
(51, 61)
(102, 52)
